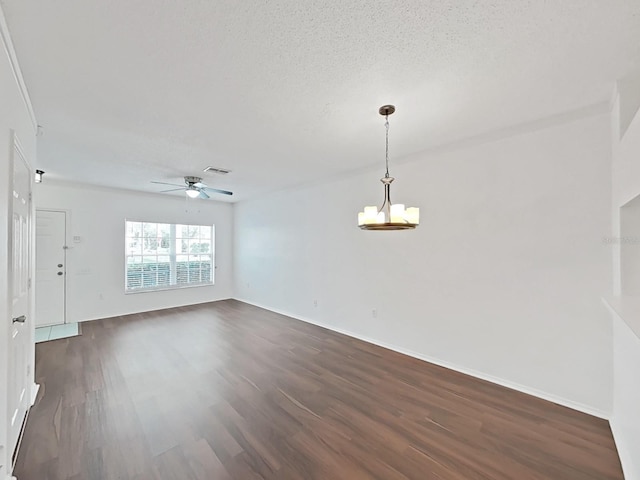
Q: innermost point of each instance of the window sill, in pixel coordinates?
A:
(165, 289)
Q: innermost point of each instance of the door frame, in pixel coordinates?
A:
(67, 216)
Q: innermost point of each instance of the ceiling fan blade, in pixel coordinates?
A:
(172, 184)
(224, 192)
(203, 194)
(172, 190)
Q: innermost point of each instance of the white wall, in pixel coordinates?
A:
(625, 308)
(14, 115)
(95, 266)
(627, 88)
(628, 245)
(625, 419)
(502, 278)
(626, 413)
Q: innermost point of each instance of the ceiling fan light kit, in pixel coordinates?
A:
(192, 192)
(389, 216)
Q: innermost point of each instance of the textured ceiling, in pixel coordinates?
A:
(284, 92)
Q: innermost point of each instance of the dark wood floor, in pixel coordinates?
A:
(229, 391)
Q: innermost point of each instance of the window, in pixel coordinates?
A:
(163, 256)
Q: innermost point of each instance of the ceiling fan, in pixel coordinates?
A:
(194, 188)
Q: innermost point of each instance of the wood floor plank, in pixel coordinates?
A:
(228, 391)
(203, 461)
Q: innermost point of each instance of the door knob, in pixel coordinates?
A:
(59, 273)
(59, 265)
(20, 319)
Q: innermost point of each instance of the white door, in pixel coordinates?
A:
(19, 332)
(50, 267)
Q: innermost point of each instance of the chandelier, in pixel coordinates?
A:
(389, 216)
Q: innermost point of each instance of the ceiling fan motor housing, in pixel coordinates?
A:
(191, 180)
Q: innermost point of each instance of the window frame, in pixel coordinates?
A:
(173, 254)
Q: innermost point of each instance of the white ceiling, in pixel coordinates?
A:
(284, 92)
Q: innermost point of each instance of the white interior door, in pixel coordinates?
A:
(50, 267)
(21, 324)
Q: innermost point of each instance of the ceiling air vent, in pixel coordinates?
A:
(219, 171)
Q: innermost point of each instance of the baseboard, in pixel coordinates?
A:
(443, 363)
(125, 314)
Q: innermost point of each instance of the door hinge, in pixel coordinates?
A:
(29, 283)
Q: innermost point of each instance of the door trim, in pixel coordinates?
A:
(7, 43)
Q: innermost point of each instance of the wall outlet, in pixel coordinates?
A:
(315, 303)
(374, 313)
